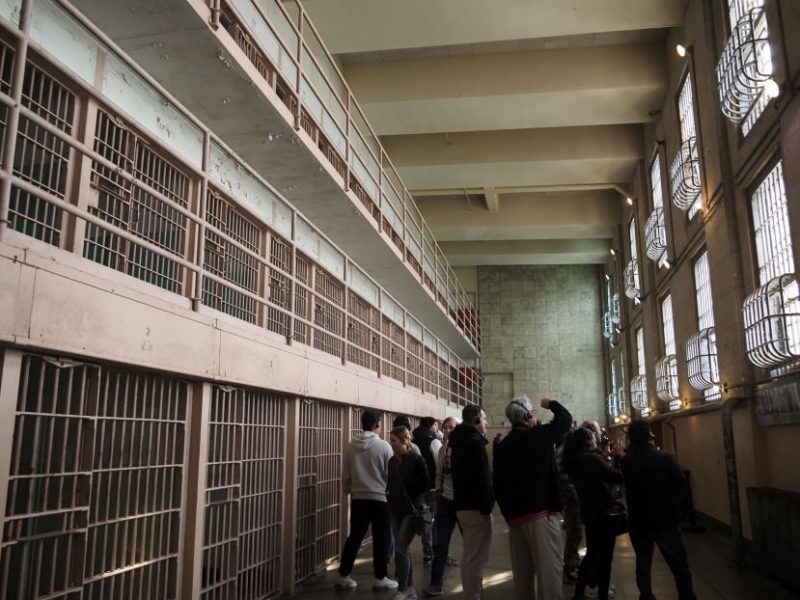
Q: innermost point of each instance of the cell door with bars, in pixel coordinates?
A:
(319, 485)
(95, 485)
(244, 495)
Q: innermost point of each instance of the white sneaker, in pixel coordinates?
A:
(345, 583)
(384, 584)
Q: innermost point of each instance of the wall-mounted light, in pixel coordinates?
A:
(771, 88)
(629, 200)
(618, 331)
(613, 252)
(682, 50)
(666, 264)
(608, 277)
(637, 301)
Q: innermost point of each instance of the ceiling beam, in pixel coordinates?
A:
(374, 25)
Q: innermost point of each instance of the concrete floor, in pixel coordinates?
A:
(714, 577)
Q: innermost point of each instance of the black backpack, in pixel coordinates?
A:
(423, 436)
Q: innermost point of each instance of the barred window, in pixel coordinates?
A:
(685, 180)
(702, 282)
(701, 347)
(772, 312)
(655, 231)
(639, 383)
(667, 366)
(745, 68)
(613, 404)
(632, 280)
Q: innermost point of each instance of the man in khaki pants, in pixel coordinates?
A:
(473, 498)
(526, 484)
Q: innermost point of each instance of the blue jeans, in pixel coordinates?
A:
(444, 524)
(403, 529)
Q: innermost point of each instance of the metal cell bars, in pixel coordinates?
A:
(157, 219)
(261, 495)
(772, 322)
(318, 487)
(415, 362)
(222, 495)
(393, 350)
(134, 532)
(302, 303)
(41, 158)
(279, 287)
(363, 332)
(289, 53)
(329, 315)
(745, 65)
(773, 238)
(237, 262)
(49, 487)
(94, 499)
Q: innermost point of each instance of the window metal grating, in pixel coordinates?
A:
(655, 231)
(685, 179)
(771, 226)
(130, 207)
(319, 487)
(667, 367)
(41, 158)
(631, 274)
(95, 487)
(771, 312)
(639, 395)
(701, 355)
(745, 65)
(240, 266)
(668, 325)
(702, 283)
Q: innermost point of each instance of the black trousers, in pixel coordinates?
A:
(596, 565)
(670, 543)
(364, 513)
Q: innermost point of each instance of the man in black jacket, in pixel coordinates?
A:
(526, 485)
(655, 487)
(423, 436)
(473, 498)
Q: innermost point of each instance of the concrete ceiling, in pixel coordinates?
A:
(516, 124)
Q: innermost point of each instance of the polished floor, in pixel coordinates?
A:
(714, 576)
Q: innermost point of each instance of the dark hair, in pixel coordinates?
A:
(448, 419)
(471, 414)
(639, 433)
(402, 421)
(427, 421)
(369, 419)
(576, 442)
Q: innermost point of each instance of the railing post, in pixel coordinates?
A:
(348, 148)
(216, 11)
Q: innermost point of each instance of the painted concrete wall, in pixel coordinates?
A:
(540, 329)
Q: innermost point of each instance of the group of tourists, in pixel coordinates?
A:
(551, 482)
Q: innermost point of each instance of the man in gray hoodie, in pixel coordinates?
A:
(364, 475)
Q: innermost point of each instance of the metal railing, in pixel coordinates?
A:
(143, 212)
(280, 39)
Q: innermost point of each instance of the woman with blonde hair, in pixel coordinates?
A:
(408, 482)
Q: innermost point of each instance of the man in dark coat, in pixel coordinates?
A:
(473, 498)
(526, 486)
(655, 487)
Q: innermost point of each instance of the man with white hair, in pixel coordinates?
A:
(526, 488)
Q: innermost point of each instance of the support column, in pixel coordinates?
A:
(199, 411)
(10, 369)
(729, 448)
(291, 452)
